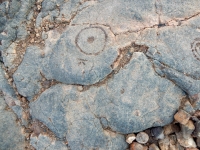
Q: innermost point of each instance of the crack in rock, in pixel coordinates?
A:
(92, 71)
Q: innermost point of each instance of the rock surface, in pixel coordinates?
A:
(44, 142)
(11, 133)
(65, 110)
(93, 71)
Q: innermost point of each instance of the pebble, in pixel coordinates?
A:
(197, 114)
(191, 149)
(172, 142)
(157, 132)
(164, 143)
(154, 147)
(37, 35)
(6, 76)
(10, 80)
(32, 40)
(189, 142)
(171, 128)
(137, 146)
(142, 138)
(182, 117)
(51, 26)
(179, 147)
(187, 129)
(39, 7)
(197, 129)
(198, 142)
(130, 138)
(24, 45)
(80, 88)
(47, 29)
(181, 140)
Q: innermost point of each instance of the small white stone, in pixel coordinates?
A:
(130, 138)
(80, 88)
(37, 35)
(39, 7)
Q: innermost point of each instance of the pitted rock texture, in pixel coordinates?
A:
(94, 70)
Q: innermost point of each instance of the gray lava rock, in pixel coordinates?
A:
(104, 91)
(11, 136)
(82, 55)
(9, 95)
(28, 76)
(13, 21)
(180, 59)
(188, 108)
(76, 115)
(43, 142)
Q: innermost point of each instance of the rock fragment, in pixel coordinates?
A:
(198, 142)
(197, 129)
(130, 138)
(157, 132)
(137, 146)
(189, 142)
(182, 117)
(187, 129)
(164, 143)
(173, 142)
(142, 138)
(154, 147)
(11, 136)
(171, 128)
(191, 149)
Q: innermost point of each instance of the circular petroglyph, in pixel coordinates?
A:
(91, 40)
(196, 48)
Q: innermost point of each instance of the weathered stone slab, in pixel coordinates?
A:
(120, 66)
(28, 75)
(82, 55)
(120, 106)
(43, 142)
(181, 58)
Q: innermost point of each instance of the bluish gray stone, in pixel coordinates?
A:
(43, 142)
(78, 115)
(75, 60)
(11, 136)
(101, 95)
(28, 76)
(9, 95)
(179, 9)
(188, 84)
(123, 16)
(188, 108)
(48, 5)
(14, 27)
(177, 54)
